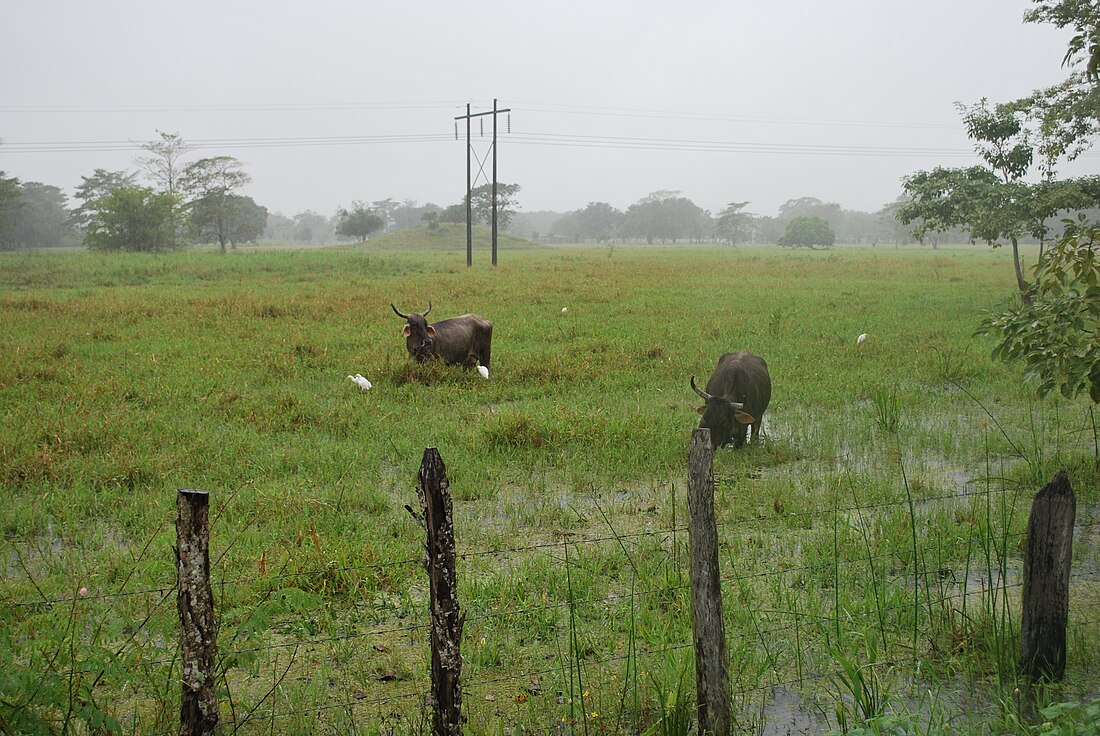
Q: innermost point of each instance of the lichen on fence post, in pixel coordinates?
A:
(195, 602)
(1047, 559)
(712, 679)
(447, 619)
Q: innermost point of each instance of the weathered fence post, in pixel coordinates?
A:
(712, 679)
(447, 618)
(1046, 581)
(195, 602)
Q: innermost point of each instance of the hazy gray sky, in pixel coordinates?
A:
(328, 102)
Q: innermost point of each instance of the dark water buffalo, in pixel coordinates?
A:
(464, 340)
(737, 396)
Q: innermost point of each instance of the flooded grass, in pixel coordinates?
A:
(885, 504)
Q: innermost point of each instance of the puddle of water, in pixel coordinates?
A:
(786, 715)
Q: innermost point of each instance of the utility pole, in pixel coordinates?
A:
(469, 205)
(469, 218)
(494, 181)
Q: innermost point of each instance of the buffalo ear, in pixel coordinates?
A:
(430, 331)
(406, 331)
(743, 417)
(702, 410)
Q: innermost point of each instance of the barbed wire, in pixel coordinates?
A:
(520, 548)
(526, 675)
(632, 595)
(477, 553)
(588, 601)
(758, 632)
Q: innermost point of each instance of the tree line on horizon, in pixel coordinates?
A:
(203, 202)
(169, 203)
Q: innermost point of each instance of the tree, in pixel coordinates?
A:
(666, 216)
(569, 227)
(44, 220)
(431, 219)
(1067, 115)
(278, 227)
(599, 221)
(133, 218)
(1055, 334)
(245, 220)
(810, 207)
(808, 232)
(250, 223)
(732, 225)
(481, 204)
(163, 164)
(1054, 330)
(311, 227)
(212, 184)
(386, 209)
(359, 222)
(11, 199)
(530, 224)
(891, 227)
(855, 226)
(409, 214)
(455, 213)
(768, 229)
(993, 203)
(94, 187)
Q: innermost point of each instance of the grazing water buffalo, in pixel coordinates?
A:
(464, 340)
(737, 396)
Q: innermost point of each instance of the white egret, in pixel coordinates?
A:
(361, 382)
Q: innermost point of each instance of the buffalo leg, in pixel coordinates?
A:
(487, 347)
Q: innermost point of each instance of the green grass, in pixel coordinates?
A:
(131, 376)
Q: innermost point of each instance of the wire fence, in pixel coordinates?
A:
(988, 559)
(169, 586)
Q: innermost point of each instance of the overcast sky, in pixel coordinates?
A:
(329, 102)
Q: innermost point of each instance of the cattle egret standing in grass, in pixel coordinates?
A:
(483, 371)
(861, 338)
(564, 310)
(359, 381)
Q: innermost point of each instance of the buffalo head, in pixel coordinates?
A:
(418, 334)
(722, 417)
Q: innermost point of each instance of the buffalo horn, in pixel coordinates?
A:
(707, 397)
(429, 308)
(402, 316)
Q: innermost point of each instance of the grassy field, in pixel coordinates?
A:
(877, 527)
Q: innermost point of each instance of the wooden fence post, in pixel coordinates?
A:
(1045, 607)
(195, 602)
(712, 678)
(447, 619)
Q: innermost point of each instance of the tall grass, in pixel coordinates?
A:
(132, 376)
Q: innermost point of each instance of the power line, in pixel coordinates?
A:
(544, 107)
(284, 142)
(530, 139)
(259, 107)
(669, 144)
(523, 139)
(721, 117)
